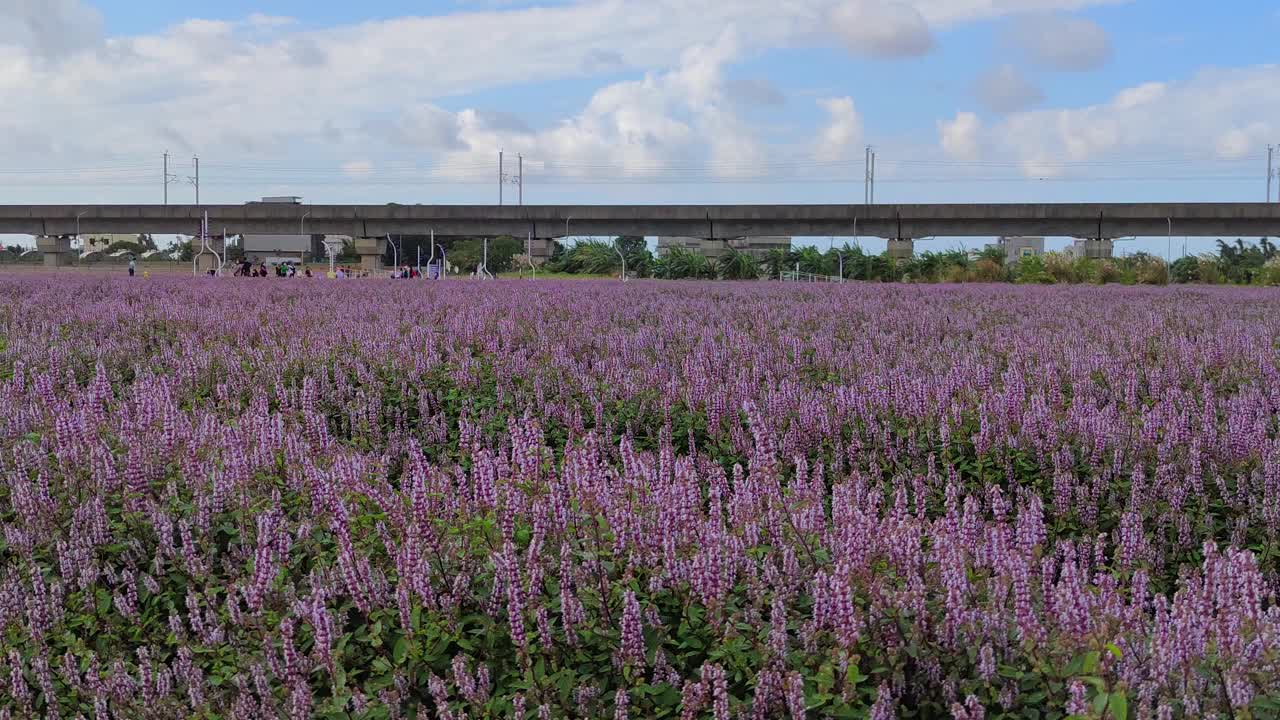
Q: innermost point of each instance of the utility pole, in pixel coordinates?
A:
(520, 178)
(166, 177)
(502, 177)
(869, 177)
(866, 176)
(873, 176)
(1271, 152)
(196, 180)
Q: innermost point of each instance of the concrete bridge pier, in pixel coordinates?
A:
(540, 250)
(371, 250)
(901, 248)
(1097, 248)
(205, 250)
(56, 249)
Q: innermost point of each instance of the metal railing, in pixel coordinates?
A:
(797, 276)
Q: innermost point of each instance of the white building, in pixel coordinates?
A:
(1016, 248)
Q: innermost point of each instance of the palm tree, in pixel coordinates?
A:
(775, 261)
(810, 260)
(737, 265)
(681, 264)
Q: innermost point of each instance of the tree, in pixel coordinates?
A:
(1030, 270)
(1241, 263)
(594, 257)
(131, 247)
(467, 255)
(738, 265)
(994, 253)
(181, 248)
(630, 245)
(810, 260)
(640, 263)
(1186, 270)
(682, 264)
(775, 260)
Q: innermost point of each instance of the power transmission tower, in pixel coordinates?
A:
(196, 180)
(504, 178)
(168, 177)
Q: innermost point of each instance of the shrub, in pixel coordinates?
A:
(1186, 270)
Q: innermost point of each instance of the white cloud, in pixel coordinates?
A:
(358, 168)
(843, 132)
(883, 28)
(270, 88)
(1006, 89)
(960, 136)
(49, 28)
(1229, 112)
(1240, 142)
(637, 127)
(1140, 95)
(1061, 42)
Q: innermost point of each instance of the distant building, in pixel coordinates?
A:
(279, 199)
(1016, 248)
(99, 242)
(713, 248)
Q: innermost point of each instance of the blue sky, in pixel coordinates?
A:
(660, 101)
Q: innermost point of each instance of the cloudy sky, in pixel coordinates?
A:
(612, 101)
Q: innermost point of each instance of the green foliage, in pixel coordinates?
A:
(809, 259)
(775, 262)
(183, 248)
(681, 264)
(1186, 270)
(1031, 270)
(737, 265)
(133, 248)
(467, 255)
(1242, 264)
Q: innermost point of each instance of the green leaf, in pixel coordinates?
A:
(1119, 706)
(826, 678)
(1090, 662)
(1115, 651)
(400, 651)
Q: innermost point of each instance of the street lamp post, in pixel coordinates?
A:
(1168, 254)
(302, 229)
(78, 216)
(618, 249)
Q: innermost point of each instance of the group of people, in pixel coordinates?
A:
(246, 268)
(284, 270)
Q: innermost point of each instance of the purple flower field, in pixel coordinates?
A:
(686, 500)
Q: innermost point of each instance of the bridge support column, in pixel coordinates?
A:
(205, 250)
(540, 250)
(1096, 248)
(57, 251)
(901, 248)
(371, 251)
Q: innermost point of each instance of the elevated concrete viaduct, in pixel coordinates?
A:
(900, 224)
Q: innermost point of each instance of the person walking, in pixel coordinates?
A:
(133, 266)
